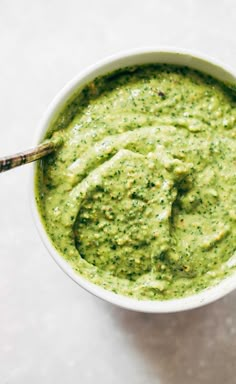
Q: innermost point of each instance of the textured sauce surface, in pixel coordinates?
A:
(140, 197)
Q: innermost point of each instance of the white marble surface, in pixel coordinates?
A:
(51, 331)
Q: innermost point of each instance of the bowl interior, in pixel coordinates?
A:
(136, 57)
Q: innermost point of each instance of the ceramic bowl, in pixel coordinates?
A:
(129, 58)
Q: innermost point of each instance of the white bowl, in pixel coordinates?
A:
(129, 58)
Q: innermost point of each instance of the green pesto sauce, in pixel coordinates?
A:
(140, 197)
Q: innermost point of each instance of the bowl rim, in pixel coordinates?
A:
(204, 297)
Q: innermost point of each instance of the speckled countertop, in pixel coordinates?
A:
(51, 331)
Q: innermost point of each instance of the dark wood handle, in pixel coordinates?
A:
(9, 162)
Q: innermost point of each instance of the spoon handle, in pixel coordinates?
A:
(12, 161)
